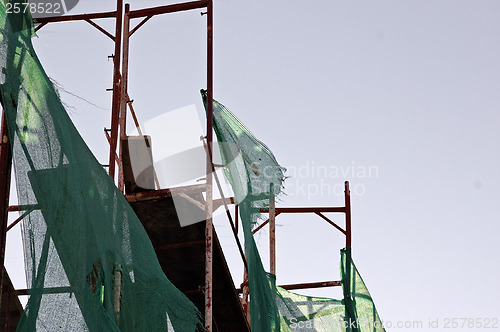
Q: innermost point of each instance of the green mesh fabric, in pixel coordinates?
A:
(355, 313)
(359, 303)
(89, 263)
(305, 313)
(252, 171)
(255, 177)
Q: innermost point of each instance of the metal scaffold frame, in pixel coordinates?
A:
(120, 101)
(146, 15)
(273, 212)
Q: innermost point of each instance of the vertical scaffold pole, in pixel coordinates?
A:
(124, 94)
(5, 168)
(347, 194)
(245, 291)
(209, 207)
(348, 258)
(236, 217)
(115, 110)
(272, 231)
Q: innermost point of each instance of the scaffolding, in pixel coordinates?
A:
(199, 242)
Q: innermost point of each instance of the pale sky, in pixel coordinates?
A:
(398, 97)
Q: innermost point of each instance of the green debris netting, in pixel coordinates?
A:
(361, 306)
(253, 172)
(89, 263)
(305, 313)
(255, 177)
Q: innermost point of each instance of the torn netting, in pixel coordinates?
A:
(255, 177)
(253, 172)
(359, 303)
(90, 264)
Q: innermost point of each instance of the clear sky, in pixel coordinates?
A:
(398, 97)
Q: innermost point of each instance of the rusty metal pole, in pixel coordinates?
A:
(209, 225)
(236, 217)
(272, 231)
(117, 292)
(347, 194)
(5, 168)
(348, 258)
(9, 300)
(124, 93)
(246, 290)
(115, 111)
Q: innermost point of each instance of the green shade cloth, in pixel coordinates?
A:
(256, 177)
(366, 318)
(305, 313)
(252, 171)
